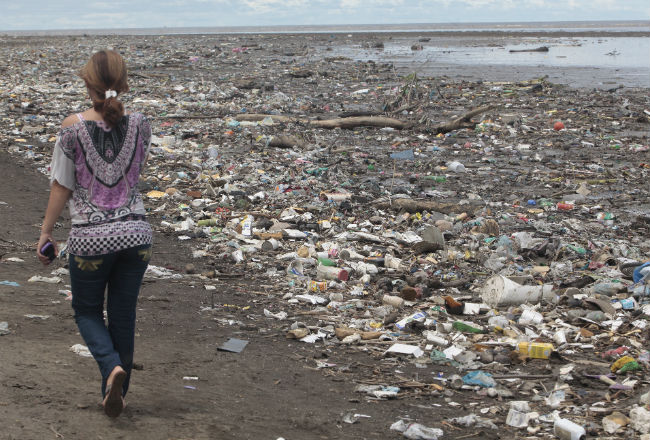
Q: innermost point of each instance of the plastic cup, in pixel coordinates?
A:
(270, 245)
(499, 291)
(295, 268)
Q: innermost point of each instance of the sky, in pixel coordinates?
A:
(95, 14)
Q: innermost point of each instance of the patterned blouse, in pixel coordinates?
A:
(102, 167)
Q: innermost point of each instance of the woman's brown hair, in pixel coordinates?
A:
(104, 71)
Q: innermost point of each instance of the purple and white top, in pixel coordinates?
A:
(102, 167)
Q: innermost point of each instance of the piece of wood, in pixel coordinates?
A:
(214, 116)
(343, 332)
(412, 206)
(284, 141)
(523, 376)
(255, 117)
(461, 121)
(538, 49)
(361, 121)
(351, 122)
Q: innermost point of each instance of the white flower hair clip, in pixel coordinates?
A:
(110, 94)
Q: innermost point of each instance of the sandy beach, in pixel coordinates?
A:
(217, 105)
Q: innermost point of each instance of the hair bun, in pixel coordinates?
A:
(113, 111)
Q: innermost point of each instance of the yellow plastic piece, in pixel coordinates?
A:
(536, 350)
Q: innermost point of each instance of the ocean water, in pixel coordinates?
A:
(557, 26)
(602, 52)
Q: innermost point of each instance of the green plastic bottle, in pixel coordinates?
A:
(466, 328)
(326, 261)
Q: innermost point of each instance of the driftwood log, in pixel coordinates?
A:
(538, 49)
(413, 206)
(284, 141)
(462, 121)
(352, 122)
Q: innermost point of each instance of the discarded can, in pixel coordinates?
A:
(317, 286)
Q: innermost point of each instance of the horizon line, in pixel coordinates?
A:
(321, 26)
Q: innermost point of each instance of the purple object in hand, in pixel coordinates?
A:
(48, 250)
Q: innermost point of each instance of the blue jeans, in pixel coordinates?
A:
(122, 272)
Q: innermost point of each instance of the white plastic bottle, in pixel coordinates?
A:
(567, 430)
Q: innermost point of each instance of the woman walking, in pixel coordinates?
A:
(96, 164)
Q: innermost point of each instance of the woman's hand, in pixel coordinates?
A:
(45, 237)
(59, 195)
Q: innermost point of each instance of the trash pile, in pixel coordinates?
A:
(492, 237)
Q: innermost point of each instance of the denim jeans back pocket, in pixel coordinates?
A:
(88, 264)
(145, 254)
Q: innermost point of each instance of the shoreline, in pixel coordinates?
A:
(360, 47)
(352, 34)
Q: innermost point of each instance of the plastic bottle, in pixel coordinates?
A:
(565, 206)
(567, 430)
(207, 222)
(608, 289)
(466, 328)
(331, 273)
(326, 262)
(498, 321)
(377, 261)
